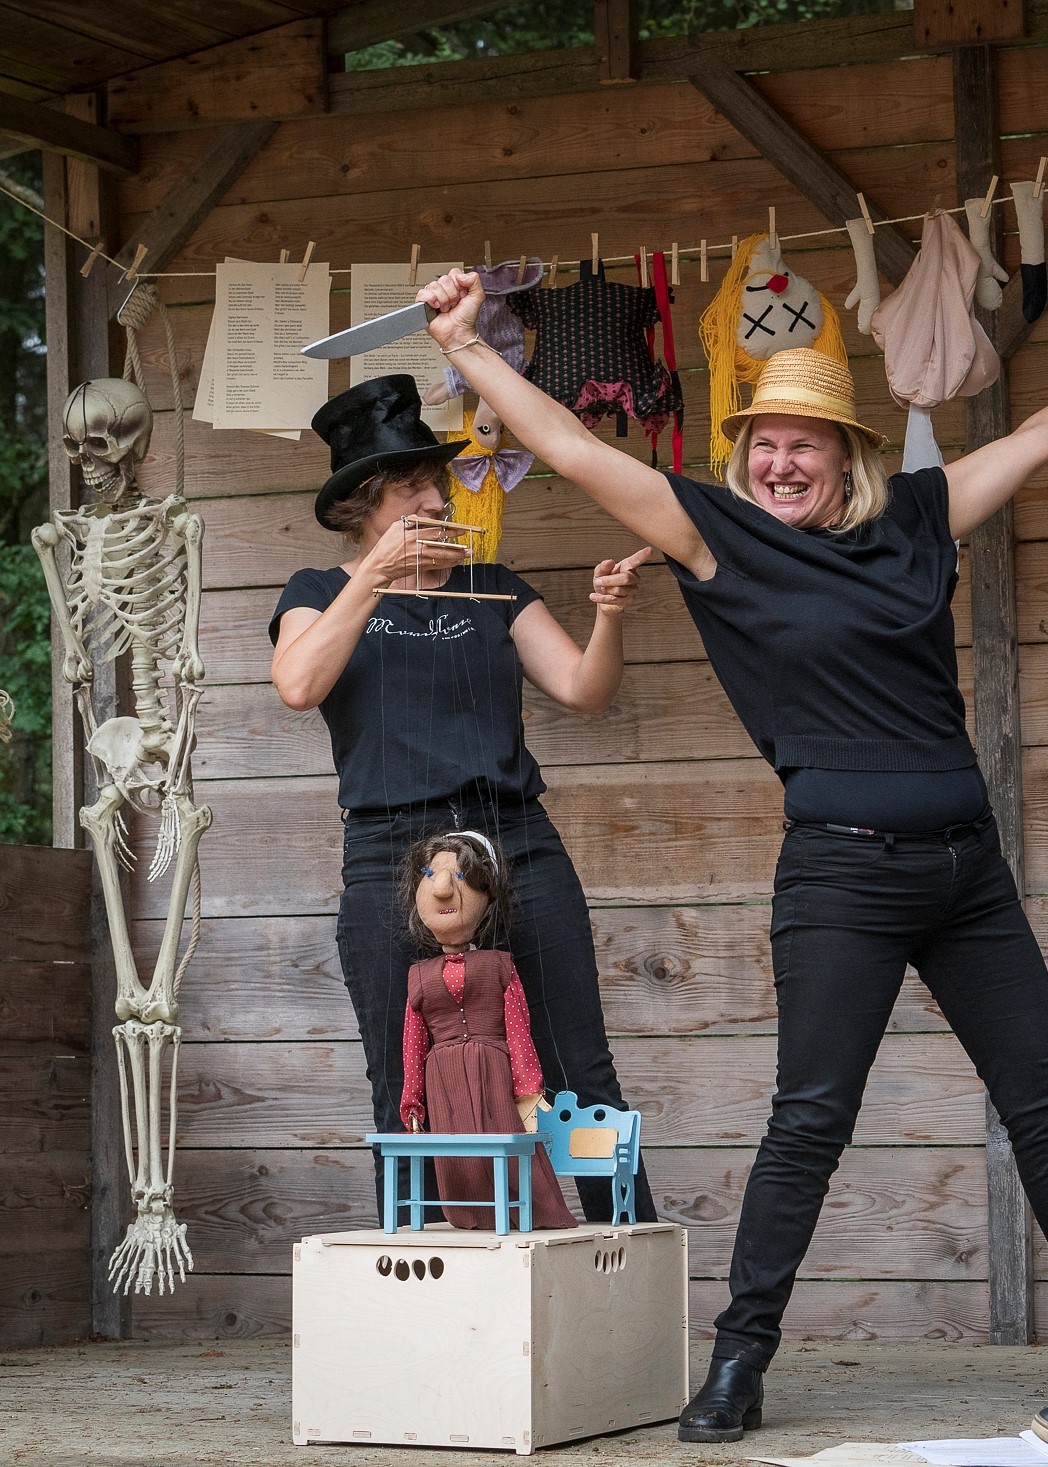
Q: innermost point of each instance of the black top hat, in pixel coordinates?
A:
(371, 428)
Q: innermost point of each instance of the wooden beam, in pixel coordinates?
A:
(93, 352)
(55, 132)
(996, 697)
(371, 21)
(280, 73)
(614, 36)
(967, 22)
(190, 201)
(808, 170)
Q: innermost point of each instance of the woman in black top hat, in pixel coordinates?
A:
(422, 698)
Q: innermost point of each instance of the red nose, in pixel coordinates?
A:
(778, 283)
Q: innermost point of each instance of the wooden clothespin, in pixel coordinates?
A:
(704, 264)
(594, 252)
(413, 267)
(864, 211)
(487, 254)
(734, 245)
(522, 265)
(132, 269)
(773, 238)
(988, 200)
(89, 263)
(1038, 183)
(285, 255)
(310, 247)
(674, 264)
(553, 264)
(644, 266)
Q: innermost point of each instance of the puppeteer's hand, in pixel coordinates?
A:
(458, 296)
(615, 582)
(405, 548)
(528, 1109)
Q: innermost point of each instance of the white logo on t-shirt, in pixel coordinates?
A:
(439, 629)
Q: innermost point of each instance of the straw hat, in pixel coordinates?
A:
(805, 384)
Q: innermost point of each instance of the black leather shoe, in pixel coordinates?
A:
(729, 1403)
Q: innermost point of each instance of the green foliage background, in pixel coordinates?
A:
(25, 649)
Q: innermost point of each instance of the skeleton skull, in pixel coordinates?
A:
(106, 427)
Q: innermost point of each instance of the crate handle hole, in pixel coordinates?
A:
(385, 1265)
(436, 1267)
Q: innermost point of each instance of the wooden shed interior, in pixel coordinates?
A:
(205, 131)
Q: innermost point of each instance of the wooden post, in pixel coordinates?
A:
(90, 213)
(614, 39)
(996, 698)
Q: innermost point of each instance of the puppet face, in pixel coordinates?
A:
(449, 908)
(780, 309)
(796, 468)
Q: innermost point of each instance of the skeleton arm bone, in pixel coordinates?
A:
(188, 667)
(78, 667)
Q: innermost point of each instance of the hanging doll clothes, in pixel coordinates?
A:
(591, 352)
(498, 325)
(468, 1054)
(761, 307)
(934, 348)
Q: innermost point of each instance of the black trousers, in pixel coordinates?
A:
(550, 940)
(848, 914)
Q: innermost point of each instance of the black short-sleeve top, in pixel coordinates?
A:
(836, 650)
(429, 705)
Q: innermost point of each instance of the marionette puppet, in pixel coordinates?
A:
(469, 1062)
(1029, 213)
(761, 307)
(481, 477)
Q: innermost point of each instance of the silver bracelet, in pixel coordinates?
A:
(446, 351)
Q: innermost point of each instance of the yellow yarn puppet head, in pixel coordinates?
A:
(760, 308)
(481, 477)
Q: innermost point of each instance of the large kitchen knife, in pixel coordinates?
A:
(379, 331)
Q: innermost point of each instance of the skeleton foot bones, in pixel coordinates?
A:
(131, 586)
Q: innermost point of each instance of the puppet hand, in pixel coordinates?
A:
(527, 1108)
(615, 582)
(416, 1126)
(458, 296)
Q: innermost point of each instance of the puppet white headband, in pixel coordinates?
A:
(481, 840)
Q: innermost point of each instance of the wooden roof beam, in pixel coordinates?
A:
(802, 164)
(173, 220)
(44, 127)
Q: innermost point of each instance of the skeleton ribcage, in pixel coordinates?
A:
(127, 584)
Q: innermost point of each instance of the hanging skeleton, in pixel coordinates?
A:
(132, 586)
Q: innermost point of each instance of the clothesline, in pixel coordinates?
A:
(691, 253)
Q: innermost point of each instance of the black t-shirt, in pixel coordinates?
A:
(836, 650)
(429, 704)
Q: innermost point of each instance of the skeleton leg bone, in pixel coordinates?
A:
(100, 820)
(155, 1242)
(161, 1001)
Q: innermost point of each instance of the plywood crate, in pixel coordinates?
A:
(471, 1339)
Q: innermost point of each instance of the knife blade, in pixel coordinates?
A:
(379, 331)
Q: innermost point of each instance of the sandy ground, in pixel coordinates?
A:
(135, 1403)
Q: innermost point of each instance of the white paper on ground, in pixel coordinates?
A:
(994, 1451)
(848, 1454)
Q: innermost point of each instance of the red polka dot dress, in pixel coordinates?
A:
(468, 1054)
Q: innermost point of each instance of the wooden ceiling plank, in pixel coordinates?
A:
(804, 166)
(173, 221)
(278, 74)
(68, 61)
(151, 32)
(43, 127)
(371, 21)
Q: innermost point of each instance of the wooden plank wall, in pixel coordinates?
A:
(670, 816)
(45, 1094)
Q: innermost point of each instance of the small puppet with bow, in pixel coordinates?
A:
(481, 477)
(469, 1061)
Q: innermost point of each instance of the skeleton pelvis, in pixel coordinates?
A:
(124, 746)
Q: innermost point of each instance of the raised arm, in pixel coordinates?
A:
(637, 496)
(982, 481)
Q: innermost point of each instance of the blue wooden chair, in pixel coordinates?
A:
(595, 1141)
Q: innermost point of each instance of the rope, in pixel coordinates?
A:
(133, 316)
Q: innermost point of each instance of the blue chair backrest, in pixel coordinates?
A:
(590, 1141)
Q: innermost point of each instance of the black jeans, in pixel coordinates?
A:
(551, 943)
(848, 915)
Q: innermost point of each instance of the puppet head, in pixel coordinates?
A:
(761, 308)
(455, 891)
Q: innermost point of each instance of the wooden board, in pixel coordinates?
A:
(906, 1213)
(49, 1002)
(43, 903)
(663, 970)
(46, 1105)
(45, 1298)
(922, 1090)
